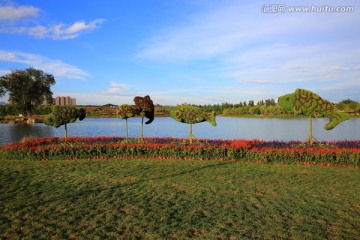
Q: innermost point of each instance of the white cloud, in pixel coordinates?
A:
(261, 55)
(12, 22)
(294, 65)
(232, 28)
(203, 36)
(16, 13)
(61, 31)
(256, 81)
(54, 67)
(117, 88)
(57, 32)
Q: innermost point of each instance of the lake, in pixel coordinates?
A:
(227, 128)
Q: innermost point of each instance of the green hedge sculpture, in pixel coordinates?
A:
(192, 115)
(62, 115)
(126, 111)
(144, 107)
(307, 103)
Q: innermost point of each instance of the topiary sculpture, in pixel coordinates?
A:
(62, 115)
(126, 111)
(144, 107)
(192, 115)
(310, 104)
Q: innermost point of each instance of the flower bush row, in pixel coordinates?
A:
(211, 142)
(169, 148)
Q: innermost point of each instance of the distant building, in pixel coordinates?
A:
(65, 101)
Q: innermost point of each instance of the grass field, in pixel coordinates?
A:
(153, 199)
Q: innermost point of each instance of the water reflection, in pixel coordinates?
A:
(16, 132)
(227, 128)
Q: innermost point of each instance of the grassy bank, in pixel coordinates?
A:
(153, 199)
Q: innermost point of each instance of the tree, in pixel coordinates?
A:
(62, 115)
(192, 115)
(348, 106)
(7, 110)
(310, 104)
(27, 88)
(255, 110)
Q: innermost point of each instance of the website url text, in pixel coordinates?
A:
(282, 8)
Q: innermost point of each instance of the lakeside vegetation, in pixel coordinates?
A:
(263, 109)
(269, 108)
(153, 199)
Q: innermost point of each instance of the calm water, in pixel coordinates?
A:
(227, 128)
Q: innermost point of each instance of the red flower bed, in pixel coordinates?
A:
(341, 153)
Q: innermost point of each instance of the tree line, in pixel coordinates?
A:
(12, 110)
(269, 107)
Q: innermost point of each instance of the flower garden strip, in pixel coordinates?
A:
(340, 153)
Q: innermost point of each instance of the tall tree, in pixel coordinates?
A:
(27, 88)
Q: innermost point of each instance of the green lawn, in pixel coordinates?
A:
(153, 199)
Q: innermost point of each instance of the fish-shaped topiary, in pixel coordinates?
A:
(310, 104)
(62, 115)
(192, 115)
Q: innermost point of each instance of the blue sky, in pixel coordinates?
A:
(184, 51)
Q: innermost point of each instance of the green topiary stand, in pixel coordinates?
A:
(192, 115)
(304, 102)
(62, 115)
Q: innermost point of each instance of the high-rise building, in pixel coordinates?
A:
(65, 101)
(57, 101)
